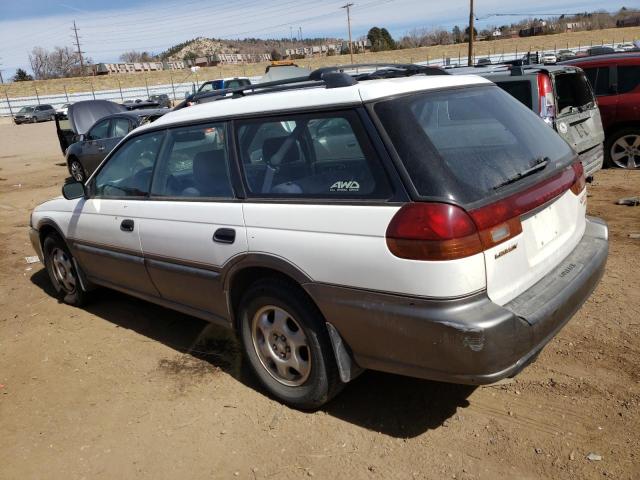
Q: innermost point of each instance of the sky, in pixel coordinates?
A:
(108, 28)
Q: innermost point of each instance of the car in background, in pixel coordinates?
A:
(62, 110)
(223, 84)
(562, 97)
(548, 58)
(93, 128)
(615, 80)
(593, 51)
(34, 114)
(565, 55)
(624, 47)
(162, 100)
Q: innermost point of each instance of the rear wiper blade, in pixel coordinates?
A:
(539, 164)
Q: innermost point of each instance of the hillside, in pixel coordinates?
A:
(435, 53)
(208, 46)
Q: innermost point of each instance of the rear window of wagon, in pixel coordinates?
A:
(462, 144)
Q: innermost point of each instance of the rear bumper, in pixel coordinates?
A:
(592, 160)
(469, 340)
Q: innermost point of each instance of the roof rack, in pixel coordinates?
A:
(329, 77)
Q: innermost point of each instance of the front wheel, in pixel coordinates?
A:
(622, 149)
(62, 271)
(287, 344)
(77, 170)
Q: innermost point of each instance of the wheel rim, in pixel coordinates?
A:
(76, 171)
(625, 151)
(63, 270)
(281, 345)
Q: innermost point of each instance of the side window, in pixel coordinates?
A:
(599, 79)
(194, 164)
(127, 173)
(121, 126)
(628, 78)
(99, 131)
(310, 156)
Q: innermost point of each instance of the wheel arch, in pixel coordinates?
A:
(613, 128)
(46, 227)
(253, 267)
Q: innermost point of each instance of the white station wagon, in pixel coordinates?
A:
(429, 226)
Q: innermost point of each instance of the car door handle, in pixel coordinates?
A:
(101, 149)
(126, 225)
(224, 235)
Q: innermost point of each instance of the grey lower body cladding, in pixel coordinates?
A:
(470, 340)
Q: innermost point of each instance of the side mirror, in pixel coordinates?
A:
(73, 190)
(82, 137)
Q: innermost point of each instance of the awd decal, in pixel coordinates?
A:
(502, 253)
(348, 186)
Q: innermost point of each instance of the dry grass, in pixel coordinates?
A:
(106, 82)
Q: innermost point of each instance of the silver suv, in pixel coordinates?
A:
(33, 114)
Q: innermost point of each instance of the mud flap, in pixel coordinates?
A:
(347, 366)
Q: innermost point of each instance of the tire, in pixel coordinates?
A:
(34, 119)
(62, 271)
(52, 118)
(279, 326)
(622, 149)
(77, 170)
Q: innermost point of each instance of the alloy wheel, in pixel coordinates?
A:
(77, 172)
(63, 270)
(281, 345)
(625, 151)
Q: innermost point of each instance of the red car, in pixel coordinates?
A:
(615, 80)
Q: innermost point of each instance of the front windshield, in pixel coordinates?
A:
(26, 110)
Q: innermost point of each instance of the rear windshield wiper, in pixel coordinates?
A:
(539, 164)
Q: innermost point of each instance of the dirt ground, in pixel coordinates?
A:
(124, 389)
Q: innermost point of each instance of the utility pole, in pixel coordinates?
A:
(75, 31)
(470, 59)
(348, 7)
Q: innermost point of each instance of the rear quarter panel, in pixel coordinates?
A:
(345, 245)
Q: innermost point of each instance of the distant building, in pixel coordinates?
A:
(107, 68)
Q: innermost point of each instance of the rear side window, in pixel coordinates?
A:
(572, 91)
(237, 83)
(194, 164)
(310, 156)
(520, 90)
(599, 79)
(463, 144)
(628, 78)
(121, 127)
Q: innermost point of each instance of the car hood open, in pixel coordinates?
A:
(82, 115)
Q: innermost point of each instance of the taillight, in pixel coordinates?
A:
(547, 101)
(580, 182)
(432, 231)
(439, 231)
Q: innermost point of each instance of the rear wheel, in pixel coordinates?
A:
(77, 170)
(62, 271)
(622, 149)
(287, 344)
